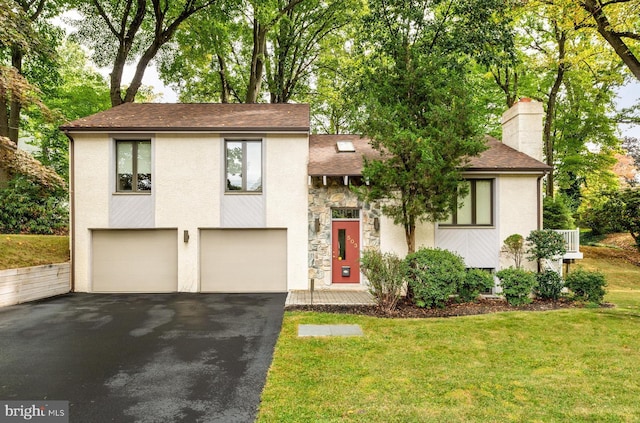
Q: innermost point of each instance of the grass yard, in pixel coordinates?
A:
(578, 365)
(32, 250)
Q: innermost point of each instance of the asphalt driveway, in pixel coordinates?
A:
(143, 357)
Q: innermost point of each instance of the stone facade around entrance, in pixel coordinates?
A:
(322, 199)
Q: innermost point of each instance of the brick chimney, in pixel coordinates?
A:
(522, 127)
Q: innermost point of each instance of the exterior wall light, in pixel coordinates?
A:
(376, 223)
(316, 224)
(185, 236)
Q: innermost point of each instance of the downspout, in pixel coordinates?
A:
(72, 209)
(539, 186)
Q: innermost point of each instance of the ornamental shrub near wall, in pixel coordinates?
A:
(587, 285)
(549, 285)
(475, 282)
(386, 273)
(517, 285)
(434, 275)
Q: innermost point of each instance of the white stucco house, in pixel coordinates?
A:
(242, 198)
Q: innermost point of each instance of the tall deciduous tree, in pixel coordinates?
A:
(229, 56)
(420, 113)
(23, 31)
(573, 73)
(617, 22)
(121, 32)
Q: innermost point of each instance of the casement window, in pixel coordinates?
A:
(243, 164)
(133, 166)
(476, 208)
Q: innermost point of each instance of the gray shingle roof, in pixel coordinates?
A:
(196, 117)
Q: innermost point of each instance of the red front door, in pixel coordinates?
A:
(345, 248)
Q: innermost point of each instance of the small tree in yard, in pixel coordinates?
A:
(386, 273)
(545, 245)
(418, 102)
(514, 248)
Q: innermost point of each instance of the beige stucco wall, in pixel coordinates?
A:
(286, 159)
(518, 209)
(187, 194)
(91, 188)
(393, 240)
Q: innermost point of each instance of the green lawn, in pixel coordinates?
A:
(32, 250)
(578, 365)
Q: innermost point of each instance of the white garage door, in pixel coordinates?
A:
(243, 260)
(135, 260)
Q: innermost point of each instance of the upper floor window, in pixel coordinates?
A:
(133, 166)
(243, 166)
(476, 207)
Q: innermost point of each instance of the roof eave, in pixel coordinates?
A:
(181, 129)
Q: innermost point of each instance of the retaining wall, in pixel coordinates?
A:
(33, 283)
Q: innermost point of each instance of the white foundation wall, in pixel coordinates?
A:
(91, 190)
(187, 194)
(286, 190)
(518, 210)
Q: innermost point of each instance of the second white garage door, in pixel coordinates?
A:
(243, 260)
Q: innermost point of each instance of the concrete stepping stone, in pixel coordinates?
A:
(329, 330)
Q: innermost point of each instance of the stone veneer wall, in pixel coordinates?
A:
(321, 200)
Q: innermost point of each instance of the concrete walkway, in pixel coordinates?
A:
(326, 297)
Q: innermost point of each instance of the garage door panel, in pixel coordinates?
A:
(135, 260)
(243, 260)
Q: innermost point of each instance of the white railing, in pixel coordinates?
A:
(572, 242)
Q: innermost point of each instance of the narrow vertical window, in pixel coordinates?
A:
(133, 166)
(243, 166)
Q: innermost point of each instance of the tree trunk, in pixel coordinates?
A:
(224, 82)
(4, 113)
(551, 107)
(611, 37)
(15, 106)
(257, 61)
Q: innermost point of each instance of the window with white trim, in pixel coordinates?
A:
(133, 166)
(243, 165)
(476, 207)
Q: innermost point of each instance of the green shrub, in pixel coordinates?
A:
(433, 276)
(556, 213)
(475, 282)
(586, 285)
(385, 273)
(29, 208)
(516, 284)
(550, 285)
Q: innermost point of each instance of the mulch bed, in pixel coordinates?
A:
(406, 309)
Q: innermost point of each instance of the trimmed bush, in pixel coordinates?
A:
(475, 282)
(385, 273)
(517, 285)
(586, 285)
(550, 285)
(434, 275)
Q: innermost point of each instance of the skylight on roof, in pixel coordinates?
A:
(345, 147)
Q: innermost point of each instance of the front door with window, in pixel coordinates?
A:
(345, 235)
